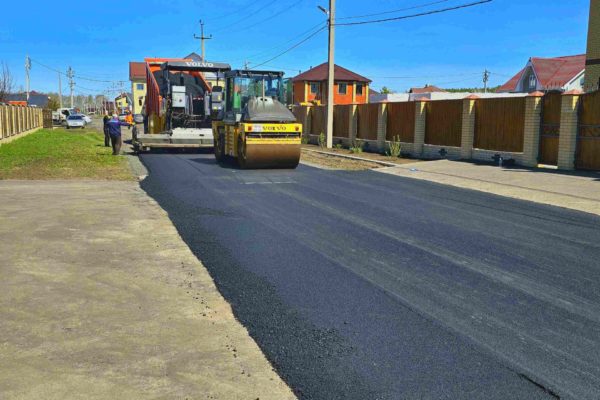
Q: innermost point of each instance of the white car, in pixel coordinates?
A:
(86, 118)
(75, 121)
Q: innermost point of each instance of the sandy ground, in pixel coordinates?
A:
(577, 191)
(101, 299)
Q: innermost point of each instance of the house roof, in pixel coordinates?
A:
(137, 70)
(194, 56)
(551, 72)
(426, 89)
(320, 73)
(35, 98)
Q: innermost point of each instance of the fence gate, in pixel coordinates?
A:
(550, 129)
(588, 136)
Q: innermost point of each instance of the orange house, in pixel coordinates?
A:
(311, 86)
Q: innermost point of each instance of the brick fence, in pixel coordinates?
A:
(16, 121)
(472, 128)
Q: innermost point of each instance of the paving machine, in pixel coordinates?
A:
(255, 127)
(180, 104)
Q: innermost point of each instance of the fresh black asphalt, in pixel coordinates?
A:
(362, 285)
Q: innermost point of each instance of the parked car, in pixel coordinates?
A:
(75, 121)
(87, 119)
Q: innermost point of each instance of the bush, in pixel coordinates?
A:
(322, 141)
(356, 147)
(305, 138)
(394, 147)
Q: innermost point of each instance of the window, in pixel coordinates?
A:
(532, 82)
(359, 89)
(139, 86)
(342, 88)
(314, 87)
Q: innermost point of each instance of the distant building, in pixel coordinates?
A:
(123, 102)
(311, 86)
(137, 76)
(592, 69)
(426, 89)
(36, 99)
(545, 74)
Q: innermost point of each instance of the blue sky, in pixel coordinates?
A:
(452, 49)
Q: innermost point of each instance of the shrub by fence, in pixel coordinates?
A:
(15, 120)
(401, 121)
(367, 121)
(443, 126)
(499, 124)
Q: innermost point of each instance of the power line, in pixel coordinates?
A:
(426, 76)
(259, 23)
(245, 17)
(394, 11)
(291, 48)
(443, 10)
(282, 45)
(75, 76)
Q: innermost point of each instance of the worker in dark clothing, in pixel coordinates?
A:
(105, 119)
(114, 130)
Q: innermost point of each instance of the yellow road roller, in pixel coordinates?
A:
(255, 128)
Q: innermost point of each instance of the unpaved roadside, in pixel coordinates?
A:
(101, 299)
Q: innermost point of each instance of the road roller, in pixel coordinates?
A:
(254, 127)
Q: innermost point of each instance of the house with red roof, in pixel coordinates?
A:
(545, 74)
(426, 89)
(311, 86)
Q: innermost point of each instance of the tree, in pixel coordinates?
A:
(53, 103)
(6, 82)
(385, 90)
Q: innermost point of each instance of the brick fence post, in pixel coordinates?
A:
(531, 131)
(567, 141)
(420, 121)
(468, 127)
(381, 126)
(352, 124)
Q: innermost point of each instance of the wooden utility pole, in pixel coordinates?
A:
(331, 75)
(60, 90)
(71, 75)
(202, 38)
(27, 81)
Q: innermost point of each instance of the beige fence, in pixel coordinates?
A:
(16, 120)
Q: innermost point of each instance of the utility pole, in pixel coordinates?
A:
(60, 90)
(331, 70)
(202, 38)
(246, 64)
(27, 69)
(71, 75)
(486, 78)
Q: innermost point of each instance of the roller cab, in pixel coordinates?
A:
(255, 128)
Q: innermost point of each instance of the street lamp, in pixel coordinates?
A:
(331, 68)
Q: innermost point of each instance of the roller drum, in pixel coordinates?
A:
(262, 155)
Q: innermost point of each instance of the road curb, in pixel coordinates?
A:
(384, 163)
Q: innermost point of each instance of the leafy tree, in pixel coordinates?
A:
(385, 90)
(53, 103)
